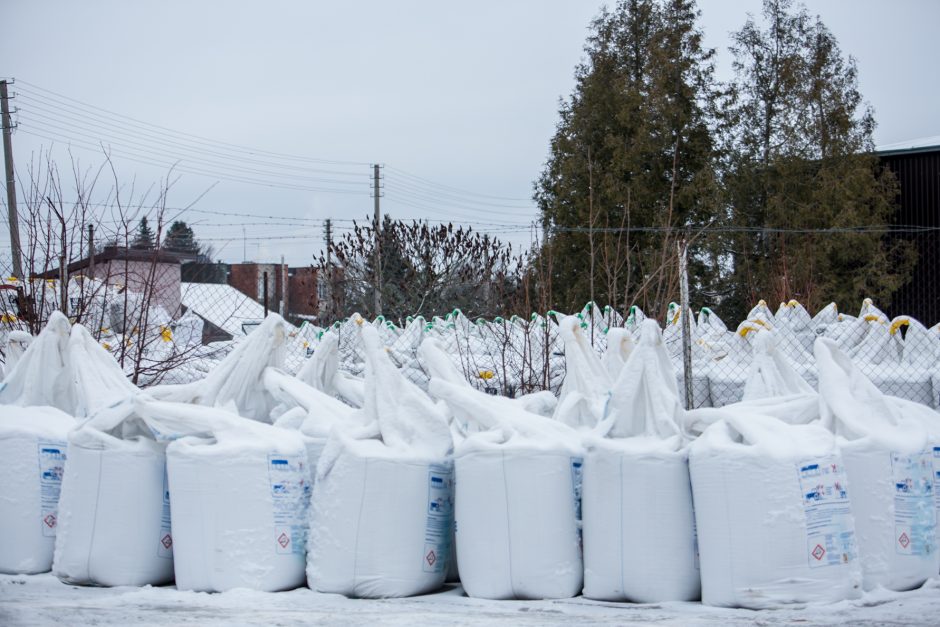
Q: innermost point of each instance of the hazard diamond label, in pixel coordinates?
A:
(819, 552)
(283, 540)
(166, 541)
(431, 558)
(904, 540)
(49, 520)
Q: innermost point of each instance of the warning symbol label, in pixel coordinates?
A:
(431, 558)
(49, 520)
(819, 552)
(904, 540)
(283, 540)
(166, 541)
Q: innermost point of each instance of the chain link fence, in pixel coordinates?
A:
(159, 343)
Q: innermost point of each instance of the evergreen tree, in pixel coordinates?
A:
(798, 157)
(143, 238)
(181, 239)
(631, 164)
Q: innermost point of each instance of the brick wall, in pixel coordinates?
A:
(302, 292)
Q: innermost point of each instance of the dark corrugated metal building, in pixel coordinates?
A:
(917, 168)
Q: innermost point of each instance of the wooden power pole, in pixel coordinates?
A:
(11, 182)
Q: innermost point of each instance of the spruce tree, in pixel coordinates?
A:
(143, 238)
(181, 239)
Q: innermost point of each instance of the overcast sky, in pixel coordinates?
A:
(457, 100)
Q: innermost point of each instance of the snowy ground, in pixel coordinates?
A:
(43, 600)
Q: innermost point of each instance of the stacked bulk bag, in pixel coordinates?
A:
(240, 493)
(518, 499)
(773, 514)
(33, 448)
(639, 529)
(382, 517)
(889, 465)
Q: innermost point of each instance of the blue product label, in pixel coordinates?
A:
(577, 464)
(290, 498)
(165, 546)
(51, 471)
(915, 515)
(440, 518)
(830, 530)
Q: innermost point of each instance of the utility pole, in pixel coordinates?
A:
(11, 182)
(377, 252)
(91, 251)
(685, 320)
(328, 279)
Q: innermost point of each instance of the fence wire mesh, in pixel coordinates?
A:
(163, 330)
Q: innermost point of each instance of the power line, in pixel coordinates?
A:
(73, 102)
(51, 117)
(453, 189)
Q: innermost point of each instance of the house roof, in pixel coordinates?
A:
(113, 253)
(222, 305)
(923, 144)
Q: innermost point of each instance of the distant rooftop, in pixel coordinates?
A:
(222, 305)
(923, 144)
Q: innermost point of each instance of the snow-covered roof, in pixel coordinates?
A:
(923, 143)
(222, 305)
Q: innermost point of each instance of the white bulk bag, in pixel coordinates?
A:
(619, 345)
(239, 504)
(518, 499)
(322, 372)
(40, 377)
(889, 464)
(32, 462)
(587, 383)
(773, 514)
(381, 519)
(237, 379)
(114, 510)
(771, 372)
(639, 528)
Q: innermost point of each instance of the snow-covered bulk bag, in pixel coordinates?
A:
(32, 462)
(518, 499)
(114, 509)
(619, 345)
(889, 465)
(587, 383)
(240, 500)
(41, 376)
(237, 380)
(310, 412)
(382, 512)
(771, 373)
(773, 514)
(636, 497)
(322, 372)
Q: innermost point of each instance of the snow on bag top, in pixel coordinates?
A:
(644, 400)
(40, 377)
(236, 381)
(587, 383)
(771, 373)
(322, 372)
(407, 419)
